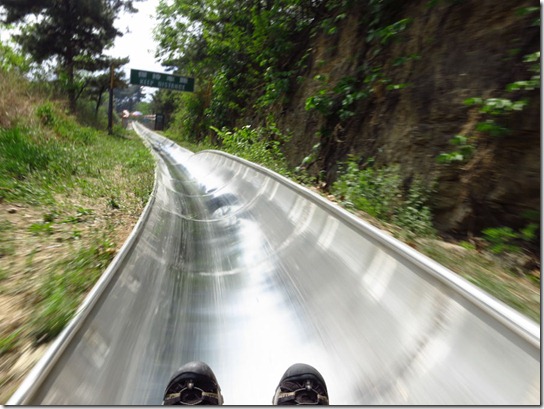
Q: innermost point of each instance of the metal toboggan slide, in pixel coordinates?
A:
(237, 266)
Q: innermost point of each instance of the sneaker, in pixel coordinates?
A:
(193, 384)
(301, 384)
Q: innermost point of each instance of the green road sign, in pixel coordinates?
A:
(162, 80)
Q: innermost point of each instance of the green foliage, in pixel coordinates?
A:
(9, 342)
(188, 122)
(12, 60)
(62, 290)
(76, 33)
(260, 145)
(389, 32)
(501, 239)
(492, 108)
(492, 128)
(414, 213)
(463, 151)
(277, 84)
(350, 93)
(467, 245)
(36, 163)
(528, 233)
(321, 102)
(46, 113)
(497, 106)
(399, 61)
(379, 192)
(49, 160)
(240, 49)
(507, 240)
(341, 100)
(65, 127)
(41, 228)
(6, 239)
(20, 155)
(522, 11)
(503, 106)
(308, 160)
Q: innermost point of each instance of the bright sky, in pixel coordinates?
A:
(138, 43)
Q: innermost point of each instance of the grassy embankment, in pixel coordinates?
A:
(511, 274)
(69, 197)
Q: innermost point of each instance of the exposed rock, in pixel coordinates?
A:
(464, 49)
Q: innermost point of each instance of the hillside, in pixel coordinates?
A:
(445, 54)
(448, 91)
(69, 197)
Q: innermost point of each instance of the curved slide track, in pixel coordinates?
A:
(237, 266)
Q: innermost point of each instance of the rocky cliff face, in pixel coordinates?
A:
(407, 92)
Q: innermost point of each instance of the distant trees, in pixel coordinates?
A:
(239, 51)
(74, 32)
(128, 98)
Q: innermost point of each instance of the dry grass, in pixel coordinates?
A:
(17, 101)
(31, 259)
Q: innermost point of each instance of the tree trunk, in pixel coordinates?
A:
(72, 97)
(98, 102)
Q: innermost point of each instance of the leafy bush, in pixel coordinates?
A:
(46, 113)
(507, 240)
(414, 214)
(379, 192)
(260, 145)
(189, 121)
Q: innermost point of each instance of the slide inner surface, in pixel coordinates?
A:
(238, 267)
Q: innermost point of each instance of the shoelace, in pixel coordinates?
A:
(191, 395)
(307, 395)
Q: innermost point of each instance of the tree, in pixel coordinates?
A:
(75, 32)
(95, 86)
(128, 97)
(240, 50)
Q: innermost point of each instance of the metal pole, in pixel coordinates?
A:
(110, 105)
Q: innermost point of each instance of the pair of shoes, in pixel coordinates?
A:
(195, 384)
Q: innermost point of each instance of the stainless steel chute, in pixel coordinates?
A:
(237, 266)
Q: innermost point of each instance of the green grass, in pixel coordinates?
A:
(50, 165)
(41, 228)
(9, 342)
(6, 238)
(517, 292)
(63, 289)
(37, 163)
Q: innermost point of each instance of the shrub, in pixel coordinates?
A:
(379, 192)
(260, 145)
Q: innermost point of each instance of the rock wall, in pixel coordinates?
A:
(456, 50)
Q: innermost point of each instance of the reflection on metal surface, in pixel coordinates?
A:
(244, 270)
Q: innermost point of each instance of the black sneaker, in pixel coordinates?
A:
(301, 384)
(193, 384)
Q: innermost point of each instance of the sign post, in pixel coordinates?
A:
(110, 103)
(162, 80)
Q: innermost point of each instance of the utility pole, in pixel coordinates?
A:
(110, 105)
